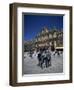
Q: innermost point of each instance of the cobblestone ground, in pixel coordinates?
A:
(31, 67)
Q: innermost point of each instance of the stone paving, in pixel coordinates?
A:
(30, 65)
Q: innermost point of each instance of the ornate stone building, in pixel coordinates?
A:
(46, 38)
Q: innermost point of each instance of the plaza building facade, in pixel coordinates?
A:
(46, 38)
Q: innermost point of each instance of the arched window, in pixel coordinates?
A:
(50, 36)
(55, 35)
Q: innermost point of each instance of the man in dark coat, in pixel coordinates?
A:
(39, 58)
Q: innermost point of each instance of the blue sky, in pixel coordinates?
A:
(33, 24)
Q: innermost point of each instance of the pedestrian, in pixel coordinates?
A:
(48, 61)
(39, 59)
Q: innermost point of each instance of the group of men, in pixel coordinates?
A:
(44, 58)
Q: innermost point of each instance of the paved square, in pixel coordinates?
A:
(31, 67)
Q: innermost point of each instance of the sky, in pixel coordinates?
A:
(33, 24)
